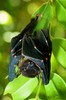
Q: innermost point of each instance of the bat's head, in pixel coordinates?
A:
(28, 68)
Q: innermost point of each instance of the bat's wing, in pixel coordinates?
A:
(29, 48)
(46, 48)
(47, 61)
(16, 47)
(43, 43)
(13, 58)
(46, 34)
(14, 61)
(30, 51)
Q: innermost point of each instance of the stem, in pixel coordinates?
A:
(39, 87)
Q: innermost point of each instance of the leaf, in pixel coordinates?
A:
(40, 10)
(21, 87)
(59, 50)
(42, 94)
(54, 63)
(57, 29)
(51, 92)
(60, 11)
(35, 99)
(60, 86)
(7, 97)
(45, 12)
(56, 89)
(1, 89)
(63, 2)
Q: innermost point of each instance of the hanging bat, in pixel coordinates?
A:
(31, 53)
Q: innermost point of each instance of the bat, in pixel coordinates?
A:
(16, 46)
(31, 53)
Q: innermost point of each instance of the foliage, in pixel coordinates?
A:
(53, 15)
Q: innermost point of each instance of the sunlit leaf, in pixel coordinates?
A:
(40, 10)
(60, 85)
(57, 29)
(7, 97)
(51, 92)
(35, 99)
(61, 71)
(55, 85)
(63, 2)
(45, 13)
(54, 63)
(60, 11)
(42, 93)
(21, 87)
(59, 50)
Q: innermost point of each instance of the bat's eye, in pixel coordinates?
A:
(29, 69)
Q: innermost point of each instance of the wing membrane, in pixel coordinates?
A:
(29, 49)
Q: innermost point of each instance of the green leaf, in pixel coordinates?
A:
(42, 94)
(35, 99)
(57, 29)
(51, 92)
(21, 87)
(63, 2)
(45, 12)
(54, 63)
(60, 86)
(40, 10)
(59, 50)
(60, 11)
(56, 89)
(1, 89)
(7, 97)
